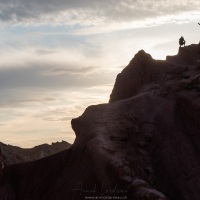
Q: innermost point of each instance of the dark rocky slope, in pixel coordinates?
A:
(143, 145)
(14, 155)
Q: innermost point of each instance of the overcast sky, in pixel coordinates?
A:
(60, 56)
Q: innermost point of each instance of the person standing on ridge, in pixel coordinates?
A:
(182, 41)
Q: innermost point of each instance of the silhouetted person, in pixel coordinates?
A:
(182, 41)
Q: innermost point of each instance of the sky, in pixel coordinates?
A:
(57, 57)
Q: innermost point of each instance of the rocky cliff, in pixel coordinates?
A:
(142, 145)
(13, 154)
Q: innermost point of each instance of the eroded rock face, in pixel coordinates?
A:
(143, 145)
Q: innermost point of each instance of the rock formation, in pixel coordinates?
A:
(14, 155)
(142, 145)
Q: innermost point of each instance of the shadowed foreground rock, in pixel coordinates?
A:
(143, 145)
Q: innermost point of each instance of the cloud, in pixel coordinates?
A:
(90, 12)
(72, 71)
(54, 119)
(34, 76)
(2, 124)
(19, 101)
(32, 101)
(44, 52)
